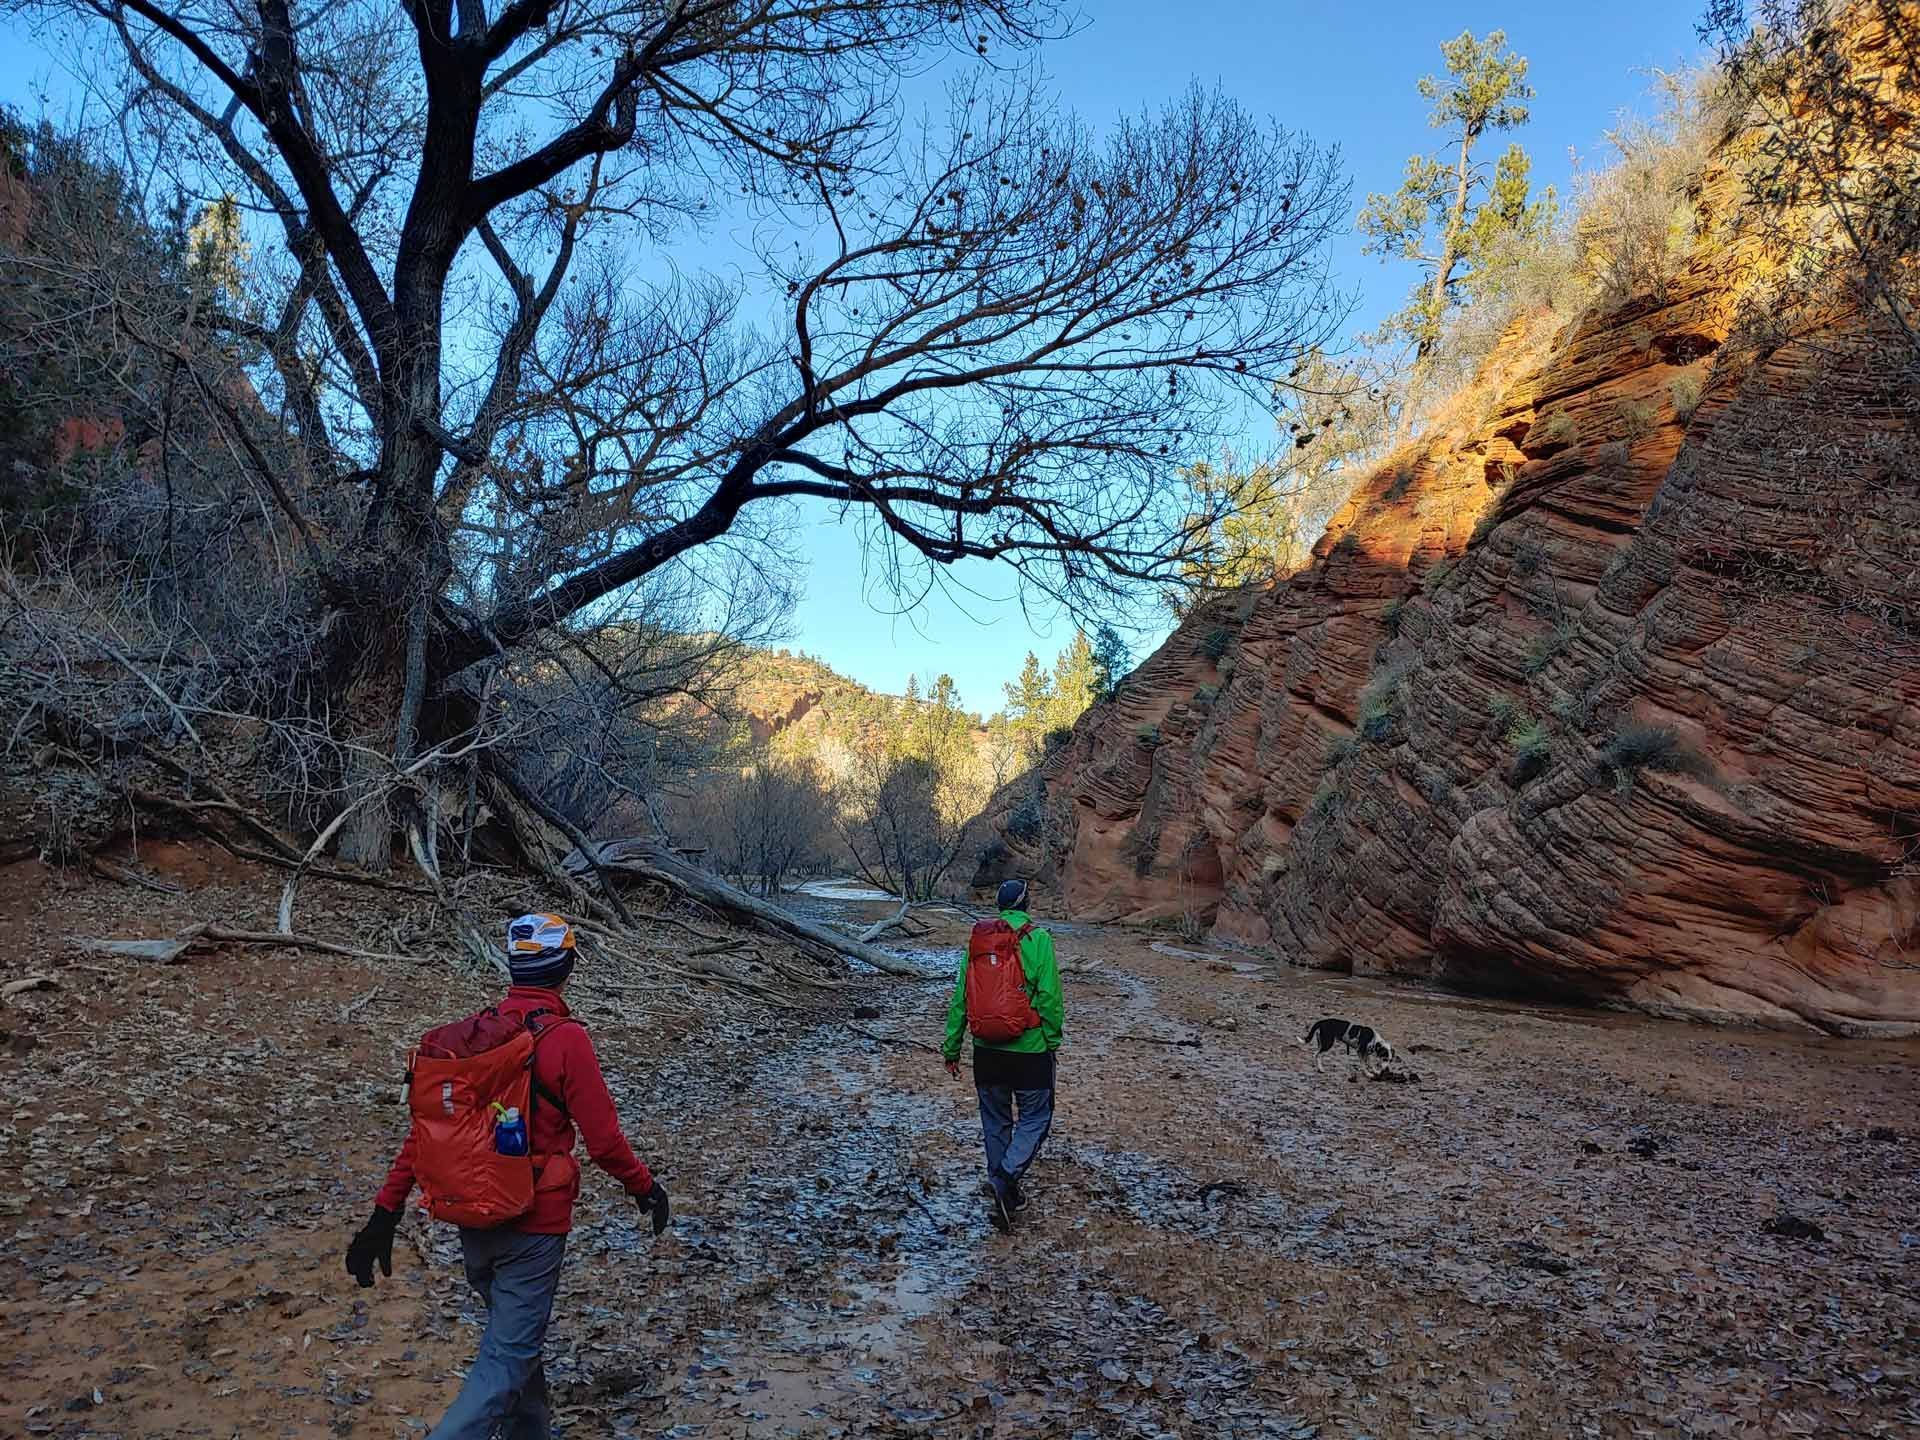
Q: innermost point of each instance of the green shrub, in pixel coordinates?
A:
(1377, 717)
(1532, 749)
(1390, 617)
(1148, 735)
(1379, 702)
(1528, 557)
(1326, 803)
(1435, 785)
(1544, 647)
(1342, 747)
(1027, 819)
(1638, 747)
(1437, 577)
(1216, 641)
(1637, 419)
(1641, 338)
(1556, 429)
(1058, 736)
(1505, 712)
(1484, 527)
(1205, 696)
(1685, 390)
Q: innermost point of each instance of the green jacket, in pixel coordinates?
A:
(1043, 988)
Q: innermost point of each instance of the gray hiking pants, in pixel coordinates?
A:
(1014, 1125)
(506, 1390)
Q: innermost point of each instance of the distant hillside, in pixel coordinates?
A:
(779, 691)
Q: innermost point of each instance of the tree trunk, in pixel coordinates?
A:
(382, 636)
(1449, 253)
(370, 704)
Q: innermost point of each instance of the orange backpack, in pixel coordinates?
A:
(998, 1008)
(455, 1077)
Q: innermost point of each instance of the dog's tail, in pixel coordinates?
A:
(1307, 1039)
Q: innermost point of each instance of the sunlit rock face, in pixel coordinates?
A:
(1609, 691)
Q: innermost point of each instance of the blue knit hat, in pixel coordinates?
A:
(1013, 894)
(540, 950)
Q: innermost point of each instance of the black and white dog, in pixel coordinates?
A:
(1362, 1040)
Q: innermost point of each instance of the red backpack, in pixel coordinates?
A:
(455, 1077)
(998, 1008)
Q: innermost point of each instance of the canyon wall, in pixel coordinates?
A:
(1609, 690)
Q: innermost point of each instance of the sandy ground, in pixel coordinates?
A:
(1557, 1229)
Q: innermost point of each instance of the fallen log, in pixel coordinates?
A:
(880, 927)
(208, 935)
(651, 861)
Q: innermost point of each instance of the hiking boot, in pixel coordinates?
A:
(1016, 1197)
(1000, 1208)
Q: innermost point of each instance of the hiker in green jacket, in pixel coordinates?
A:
(1016, 1031)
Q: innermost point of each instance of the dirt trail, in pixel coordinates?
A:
(1556, 1231)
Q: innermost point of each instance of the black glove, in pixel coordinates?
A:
(655, 1200)
(374, 1242)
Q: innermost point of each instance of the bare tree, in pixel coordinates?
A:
(996, 341)
(772, 819)
(900, 835)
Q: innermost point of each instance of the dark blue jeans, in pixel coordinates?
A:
(506, 1390)
(1014, 1125)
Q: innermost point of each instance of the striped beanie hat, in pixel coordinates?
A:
(540, 950)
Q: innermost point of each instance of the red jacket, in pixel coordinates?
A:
(565, 1064)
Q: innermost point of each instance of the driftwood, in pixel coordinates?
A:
(167, 951)
(21, 987)
(895, 1039)
(652, 861)
(880, 927)
(127, 875)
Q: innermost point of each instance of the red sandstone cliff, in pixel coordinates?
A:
(1610, 692)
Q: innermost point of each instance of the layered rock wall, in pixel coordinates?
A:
(1610, 692)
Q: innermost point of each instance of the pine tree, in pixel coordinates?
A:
(1030, 702)
(1111, 662)
(1434, 217)
(1074, 679)
(217, 249)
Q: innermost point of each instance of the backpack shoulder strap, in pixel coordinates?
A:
(1024, 931)
(539, 1032)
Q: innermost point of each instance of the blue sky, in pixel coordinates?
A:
(1345, 74)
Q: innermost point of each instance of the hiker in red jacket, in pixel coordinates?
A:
(513, 1263)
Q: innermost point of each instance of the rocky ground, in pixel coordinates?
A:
(1548, 1223)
